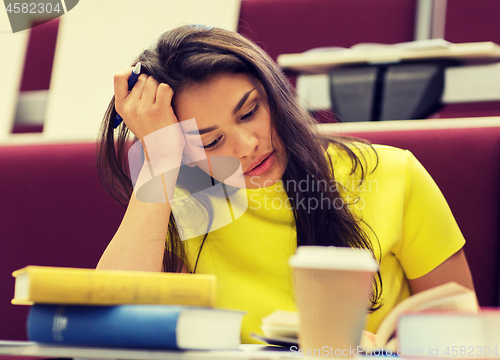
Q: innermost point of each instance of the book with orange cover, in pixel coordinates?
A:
(59, 285)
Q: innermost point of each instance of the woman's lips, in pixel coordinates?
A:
(263, 166)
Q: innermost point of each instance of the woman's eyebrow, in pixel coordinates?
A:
(235, 110)
(202, 131)
(242, 101)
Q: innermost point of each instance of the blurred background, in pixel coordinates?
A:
(58, 75)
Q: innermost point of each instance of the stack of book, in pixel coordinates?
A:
(126, 309)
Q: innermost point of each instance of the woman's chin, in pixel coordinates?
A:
(257, 182)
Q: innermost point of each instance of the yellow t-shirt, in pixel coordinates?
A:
(399, 201)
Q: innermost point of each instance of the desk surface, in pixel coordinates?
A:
(31, 349)
(317, 62)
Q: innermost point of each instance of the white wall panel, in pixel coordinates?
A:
(99, 38)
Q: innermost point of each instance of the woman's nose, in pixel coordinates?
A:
(245, 143)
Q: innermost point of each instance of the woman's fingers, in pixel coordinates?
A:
(147, 107)
(149, 91)
(125, 101)
(121, 85)
(138, 89)
(164, 94)
(134, 106)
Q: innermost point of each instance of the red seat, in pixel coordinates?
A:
(291, 26)
(294, 26)
(465, 165)
(54, 212)
(472, 21)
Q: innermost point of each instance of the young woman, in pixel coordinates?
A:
(302, 189)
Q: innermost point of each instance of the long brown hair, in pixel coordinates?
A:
(192, 54)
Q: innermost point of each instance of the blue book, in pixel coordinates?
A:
(136, 326)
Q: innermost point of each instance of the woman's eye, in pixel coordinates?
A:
(251, 113)
(213, 144)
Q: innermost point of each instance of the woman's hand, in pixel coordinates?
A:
(145, 109)
(139, 243)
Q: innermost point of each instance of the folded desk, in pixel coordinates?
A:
(393, 82)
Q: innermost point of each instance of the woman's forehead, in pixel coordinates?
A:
(219, 94)
(219, 84)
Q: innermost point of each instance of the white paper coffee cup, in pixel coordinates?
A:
(332, 290)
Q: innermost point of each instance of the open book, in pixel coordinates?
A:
(282, 327)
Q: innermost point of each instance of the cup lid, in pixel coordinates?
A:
(332, 257)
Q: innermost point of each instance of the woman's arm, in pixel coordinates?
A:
(139, 243)
(455, 268)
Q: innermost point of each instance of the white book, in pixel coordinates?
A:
(450, 335)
